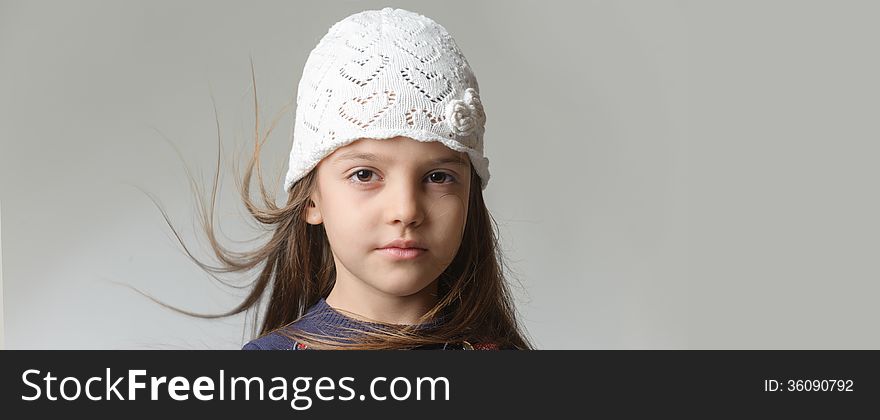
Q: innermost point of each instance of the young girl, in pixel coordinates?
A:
(385, 241)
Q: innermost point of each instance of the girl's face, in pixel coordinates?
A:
(372, 192)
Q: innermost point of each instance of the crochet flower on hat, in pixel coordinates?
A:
(466, 116)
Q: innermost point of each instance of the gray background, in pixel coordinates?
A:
(666, 174)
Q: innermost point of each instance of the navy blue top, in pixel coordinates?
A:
(321, 318)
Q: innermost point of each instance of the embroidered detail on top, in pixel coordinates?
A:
(320, 102)
(356, 72)
(432, 55)
(434, 85)
(433, 118)
(350, 111)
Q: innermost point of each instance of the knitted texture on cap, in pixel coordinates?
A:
(381, 74)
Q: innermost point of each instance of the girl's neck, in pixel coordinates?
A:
(375, 306)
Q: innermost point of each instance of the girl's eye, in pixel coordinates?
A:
(363, 176)
(443, 176)
(360, 173)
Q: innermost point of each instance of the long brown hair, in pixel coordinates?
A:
(296, 269)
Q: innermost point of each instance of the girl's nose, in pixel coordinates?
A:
(404, 203)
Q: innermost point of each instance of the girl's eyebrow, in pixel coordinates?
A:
(376, 158)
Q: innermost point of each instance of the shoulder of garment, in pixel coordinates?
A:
(279, 342)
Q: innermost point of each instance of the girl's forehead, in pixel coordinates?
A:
(397, 148)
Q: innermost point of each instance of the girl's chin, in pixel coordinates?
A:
(400, 288)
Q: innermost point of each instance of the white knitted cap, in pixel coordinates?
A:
(380, 74)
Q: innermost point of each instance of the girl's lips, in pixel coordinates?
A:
(402, 253)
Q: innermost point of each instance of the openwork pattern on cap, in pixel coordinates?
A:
(381, 74)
